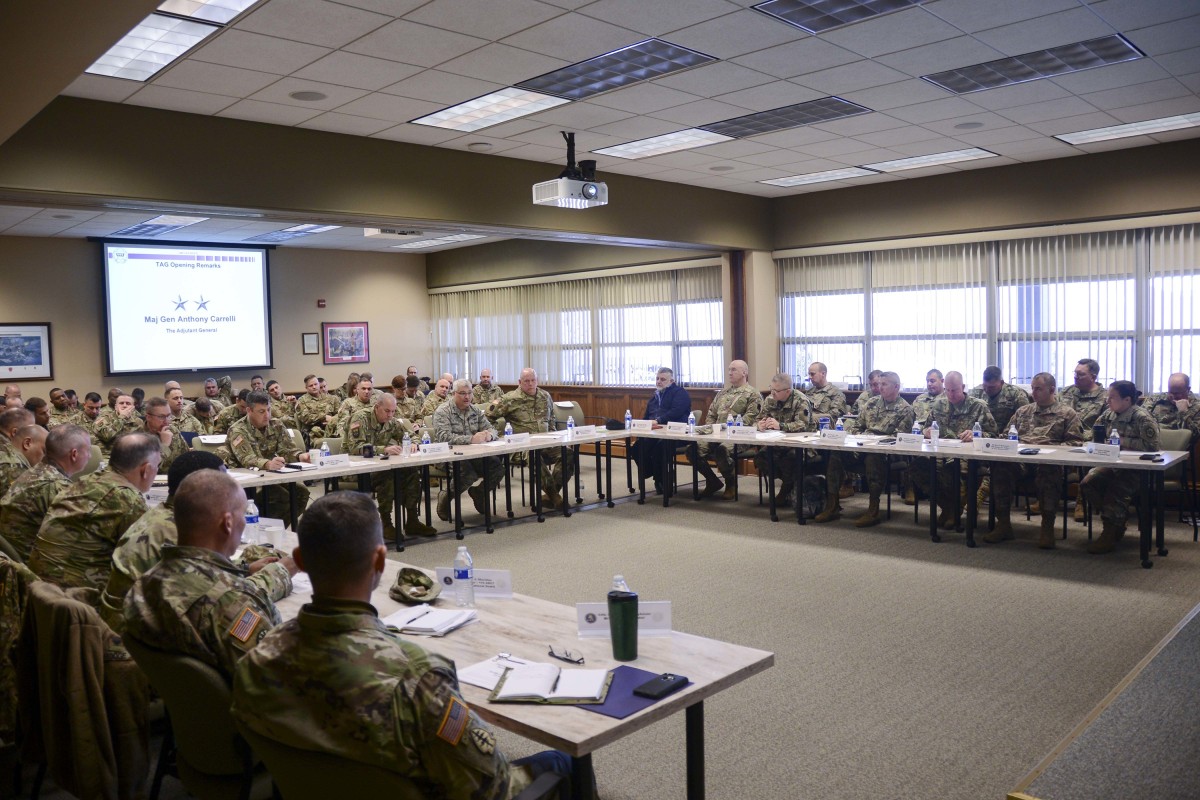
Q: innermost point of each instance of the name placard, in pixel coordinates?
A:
(487, 582)
(518, 438)
(833, 436)
(585, 430)
(1104, 452)
(654, 619)
(953, 442)
(910, 439)
(641, 425)
(435, 447)
(744, 432)
(340, 460)
(999, 446)
(677, 427)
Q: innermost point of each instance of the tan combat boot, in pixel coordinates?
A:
(413, 525)
(730, 487)
(910, 497)
(871, 517)
(1046, 535)
(1035, 507)
(1080, 516)
(1003, 531)
(832, 509)
(389, 530)
(952, 516)
(985, 491)
(1106, 542)
(944, 517)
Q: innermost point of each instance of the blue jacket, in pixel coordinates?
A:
(673, 404)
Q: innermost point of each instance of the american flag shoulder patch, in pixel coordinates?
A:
(238, 441)
(454, 722)
(245, 625)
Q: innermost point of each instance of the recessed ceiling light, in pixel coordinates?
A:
(639, 62)
(825, 109)
(218, 11)
(968, 126)
(932, 160)
(1132, 129)
(1036, 65)
(821, 177)
(439, 241)
(159, 225)
(817, 16)
(491, 109)
(153, 43)
(294, 232)
(308, 97)
(479, 147)
(667, 143)
(720, 168)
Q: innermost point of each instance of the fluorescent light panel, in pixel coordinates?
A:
(821, 177)
(218, 11)
(932, 160)
(152, 44)
(667, 143)
(778, 119)
(438, 242)
(294, 232)
(1132, 129)
(639, 62)
(818, 16)
(158, 226)
(1036, 65)
(491, 109)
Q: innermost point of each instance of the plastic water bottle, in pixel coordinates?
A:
(507, 431)
(464, 578)
(406, 445)
(691, 423)
(916, 431)
(729, 424)
(619, 584)
(628, 420)
(571, 427)
(1012, 433)
(737, 421)
(425, 436)
(935, 432)
(977, 431)
(840, 425)
(1114, 438)
(324, 450)
(250, 535)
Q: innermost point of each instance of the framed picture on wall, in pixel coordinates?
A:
(25, 351)
(346, 342)
(311, 343)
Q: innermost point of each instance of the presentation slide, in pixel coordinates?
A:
(184, 307)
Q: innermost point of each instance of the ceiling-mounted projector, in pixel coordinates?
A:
(575, 187)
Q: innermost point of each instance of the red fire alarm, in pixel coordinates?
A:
(320, 302)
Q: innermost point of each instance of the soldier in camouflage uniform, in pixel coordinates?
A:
(485, 392)
(530, 410)
(873, 388)
(258, 441)
(157, 425)
(232, 413)
(884, 415)
(422, 385)
(399, 706)
(195, 601)
(1086, 396)
(24, 506)
(1003, 400)
(827, 400)
(1177, 408)
(88, 412)
(786, 409)
(1108, 489)
(1045, 421)
(140, 547)
(314, 411)
(199, 419)
(379, 426)
(738, 397)
(956, 415)
(459, 422)
(361, 400)
(433, 400)
(212, 392)
(13, 462)
(347, 389)
(122, 419)
(409, 401)
(281, 405)
(60, 409)
(74, 546)
(922, 408)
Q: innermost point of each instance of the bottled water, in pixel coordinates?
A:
(728, 424)
(935, 432)
(1114, 438)
(916, 431)
(737, 421)
(324, 449)
(406, 445)
(840, 425)
(619, 584)
(464, 577)
(507, 430)
(425, 436)
(571, 427)
(691, 422)
(1012, 432)
(977, 431)
(628, 419)
(250, 535)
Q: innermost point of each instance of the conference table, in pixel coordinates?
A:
(525, 626)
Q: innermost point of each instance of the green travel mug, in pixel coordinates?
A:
(623, 624)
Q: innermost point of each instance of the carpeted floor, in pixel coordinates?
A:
(903, 668)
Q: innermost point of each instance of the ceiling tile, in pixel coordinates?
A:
(1009, 96)
(414, 44)
(1052, 30)
(978, 15)
(74, 217)
(643, 98)
(502, 63)
(279, 92)
(771, 158)
(573, 37)
(795, 137)
(235, 48)
(1083, 122)
(180, 100)
(352, 69)
(945, 108)
(536, 152)
(1131, 14)
(570, 5)
(1158, 109)
(863, 123)
(1019, 149)
(830, 148)
(1111, 76)
(390, 107)
(986, 119)
(797, 58)
(442, 87)
(1167, 37)
(1176, 136)
(636, 128)
(467, 16)
(1116, 144)
(200, 76)
(924, 147)
(99, 87)
(714, 79)
(507, 129)
(274, 113)
(1181, 62)
(893, 95)
(417, 134)
(701, 112)
(1168, 89)
(625, 167)
(345, 123)
(1051, 109)
(393, 8)
(984, 138)
(848, 77)
(770, 95)
(497, 145)
(585, 141)
(948, 54)
(742, 149)
(311, 21)
(1191, 81)
(736, 34)
(686, 159)
(888, 33)
(656, 19)
(579, 116)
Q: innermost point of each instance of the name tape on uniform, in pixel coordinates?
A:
(487, 582)
(654, 619)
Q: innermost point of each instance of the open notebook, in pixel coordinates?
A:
(546, 683)
(425, 620)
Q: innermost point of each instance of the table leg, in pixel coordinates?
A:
(972, 475)
(566, 494)
(578, 479)
(933, 495)
(663, 467)
(508, 485)
(797, 490)
(535, 484)
(1160, 512)
(599, 483)
(695, 473)
(292, 504)
(608, 470)
(487, 500)
(397, 510)
(694, 724)
(641, 484)
(771, 484)
(629, 465)
(581, 777)
(455, 480)
(1144, 528)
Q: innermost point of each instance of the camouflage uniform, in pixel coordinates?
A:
(409, 408)
(75, 543)
(88, 424)
(483, 397)
(311, 412)
(15, 579)
(861, 401)
(346, 410)
(24, 507)
(1088, 405)
(109, 425)
(225, 390)
(193, 424)
(880, 418)
(432, 403)
(744, 400)
(174, 450)
(828, 401)
(398, 706)
(1002, 406)
(1109, 489)
(1057, 424)
(225, 420)
(794, 414)
(457, 427)
(923, 407)
(137, 551)
(952, 420)
(197, 603)
(1168, 416)
(61, 417)
(12, 464)
(535, 414)
(366, 428)
(283, 411)
(247, 446)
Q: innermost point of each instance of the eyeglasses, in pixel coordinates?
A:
(566, 656)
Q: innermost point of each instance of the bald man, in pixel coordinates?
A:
(12, 460)
(22, 509)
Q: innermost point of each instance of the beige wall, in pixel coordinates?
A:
(59, 281)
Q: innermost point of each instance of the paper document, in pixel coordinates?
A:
(424, 620)
(486, 674)
(496, 443)
(768, 435)
(300, 465)
(301, 584)
(546, 683)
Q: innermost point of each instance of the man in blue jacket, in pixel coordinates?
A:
(670, 403)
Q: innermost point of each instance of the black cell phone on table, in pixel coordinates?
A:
(660, 686)
(1029, 451)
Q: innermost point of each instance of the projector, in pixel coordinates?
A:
(570, 193)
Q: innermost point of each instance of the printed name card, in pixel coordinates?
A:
(585, 430)
(744, 432)
(641, 425)
(833, 436)
(518, 438)
(435, 447)
(910, 439)
(677, 427)
(340, 460)
(654, 619)
(999, 446)
(487, 582)
(1105, 452)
